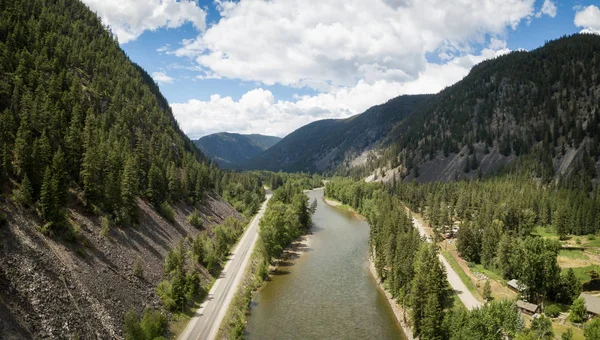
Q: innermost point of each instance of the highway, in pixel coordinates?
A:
(205, 324)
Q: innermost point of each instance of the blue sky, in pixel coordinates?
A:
(272, 66)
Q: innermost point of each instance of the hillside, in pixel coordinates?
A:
(326, 144)
(97, 181)
(541, 104)
(230, 149)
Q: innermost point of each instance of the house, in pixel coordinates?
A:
(516, 286)
(527, 307)
(592, 303)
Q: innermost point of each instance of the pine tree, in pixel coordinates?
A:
(487, 291)
(60, 177)
(26, 191)
(129, 191)
(156, 187)
(48, 197)
(23, 148)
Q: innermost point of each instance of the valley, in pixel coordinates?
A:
(435, 181)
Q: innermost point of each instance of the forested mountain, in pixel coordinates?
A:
(542, 103)
(97, 180)
(230, 149)
(326, 144)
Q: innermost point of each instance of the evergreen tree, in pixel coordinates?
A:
(156, 187)
(129, 191)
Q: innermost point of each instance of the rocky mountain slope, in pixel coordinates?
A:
(51, 288)
(325, 145)
(541, 105)
(231, 149)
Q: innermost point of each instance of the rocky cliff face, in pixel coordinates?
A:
(60, 289)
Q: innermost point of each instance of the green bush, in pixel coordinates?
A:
(3, 219)
(195, 220)
(164, 291)
(552, 311)
(592, 237)
(152, 326)
(105, 226)
(166, 211)
(138, 269)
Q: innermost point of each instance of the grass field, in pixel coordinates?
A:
(573, 254)
(584, 273)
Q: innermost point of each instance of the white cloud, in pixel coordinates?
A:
(162, 78)
(163, 49)
(259, 112)
(317, 43)
(128, 19)
(589, 19)
(548, 8)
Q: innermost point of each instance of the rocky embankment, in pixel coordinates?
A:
(51, 288)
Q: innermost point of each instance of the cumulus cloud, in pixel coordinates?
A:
(589, 19)
(258, 111)
(319, 44)
(548, 8)
(162, 78)
(128, 19)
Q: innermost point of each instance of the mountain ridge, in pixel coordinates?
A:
(231, 149)
(325, 144)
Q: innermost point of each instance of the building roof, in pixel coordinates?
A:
(528, 306)
(514, 283)
(592, 303)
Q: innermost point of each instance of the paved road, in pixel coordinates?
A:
(205, 324)
(456, 283)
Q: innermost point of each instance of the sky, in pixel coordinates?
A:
(272, 66)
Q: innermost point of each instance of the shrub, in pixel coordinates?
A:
(578, 311)
(132, 327)
(592, 237)
(195, 220)
(105, 226)
(154, 324)
(552, 311)
(578, 240)
(3, 219)
(138, 269)
(166, 211)
(164, 291)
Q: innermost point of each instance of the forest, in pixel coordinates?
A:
(497, 219)
(79, 122)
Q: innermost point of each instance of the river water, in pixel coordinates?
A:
(327, 292)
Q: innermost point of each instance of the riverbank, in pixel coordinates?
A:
(398, 311)
(255, 278)
(343, 206)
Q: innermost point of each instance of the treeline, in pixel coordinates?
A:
(79, 120)
(408, 266)
(411, 271)
(288, 216)
(208, 249)
(278, 179)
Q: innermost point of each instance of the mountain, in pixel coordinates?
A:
(541, 106)
(230, 149)
(97, 181)
(326, 144)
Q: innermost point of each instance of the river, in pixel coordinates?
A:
(327, 292)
